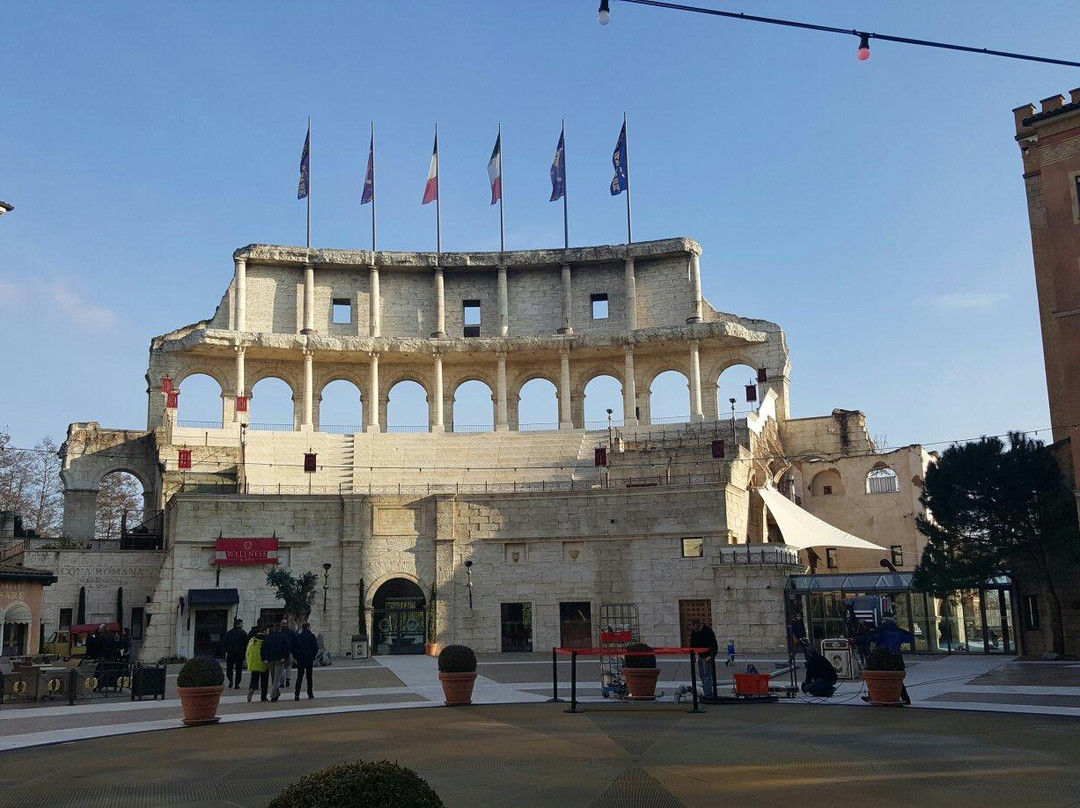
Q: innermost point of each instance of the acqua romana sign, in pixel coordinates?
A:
(246, 551)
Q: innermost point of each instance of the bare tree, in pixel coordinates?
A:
(44, 513)
(119, 492)
(15, 476)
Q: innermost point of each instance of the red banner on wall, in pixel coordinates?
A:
(246, 551)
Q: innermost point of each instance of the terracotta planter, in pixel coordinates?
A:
(457, 688)
(884, 687)
(641, 682)
(200, 704)
(431, 648)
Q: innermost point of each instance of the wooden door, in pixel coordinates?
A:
(690, 610)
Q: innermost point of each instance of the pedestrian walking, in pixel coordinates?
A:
(305, 649)
(799, 642)
(291, 636)
(236, 643)
(701, 636)
(275, 650)
(256, 666)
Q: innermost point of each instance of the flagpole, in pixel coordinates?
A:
(374, 201)
(629, 215)
(502, 193)
(438, 199)
(565, 219)
(309, 184)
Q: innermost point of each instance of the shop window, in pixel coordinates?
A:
(830, 557)
(1030, 612)
(471, 317)
(897, 555)
(599, 306)
(693, 548)
(342, 312)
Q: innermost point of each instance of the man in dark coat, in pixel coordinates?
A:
(275, 650)
(701, 636)
(288, 632)
(236, 640)
(305, 649)
(93, 645)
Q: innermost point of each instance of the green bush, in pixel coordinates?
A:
(639, 661)
(202, 671)
(884, 659)
(457, 659)
(360, 785)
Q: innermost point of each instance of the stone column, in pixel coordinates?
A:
(437, 424)
(695, 383)
(440, 305)
(565, 420)
(567, 302)
(309, 300)
(631, 296)
(501, 424)
(695, 290)
(375, 316)
(504, 304)
(372, 406)
(240, 381)
(241, 294)
(629, 391)
(308, 392)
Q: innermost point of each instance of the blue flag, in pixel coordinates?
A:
(558, 170)
(305, 169)
(369, 180)
(621, 181)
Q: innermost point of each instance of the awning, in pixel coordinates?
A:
(213, 597)
(802, 529)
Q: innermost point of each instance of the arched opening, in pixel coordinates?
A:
(669, 398)
(407, 408)
(341, 410)
(882, 480)
(120, 500)
(538, 405)
(732, 384)
(271, 406)
(15, 622)
(199, 402)
(826, 483)
(603, 393)
(399, 618)
(473, 407)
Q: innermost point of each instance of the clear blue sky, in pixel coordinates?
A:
(875, 210)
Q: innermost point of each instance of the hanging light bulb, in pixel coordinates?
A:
(604, 16)
(864, 47)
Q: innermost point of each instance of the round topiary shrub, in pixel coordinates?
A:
(381, 784)
(885, 659)
(643, 661)
(457, 659)
(202, 671)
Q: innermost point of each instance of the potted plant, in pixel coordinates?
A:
(200, 684)
(360, 785)
(640, 672)
(884, 676)
(431, 648)
(457, 672)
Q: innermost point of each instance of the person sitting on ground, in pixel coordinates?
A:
(820, 675)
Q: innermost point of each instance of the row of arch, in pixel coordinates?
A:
(339, 405)
(881, 479)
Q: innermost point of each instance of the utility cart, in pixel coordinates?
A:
(619, 626)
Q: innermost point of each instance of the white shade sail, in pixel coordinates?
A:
(802, 529)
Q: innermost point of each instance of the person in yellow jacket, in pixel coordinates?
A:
(260, 670)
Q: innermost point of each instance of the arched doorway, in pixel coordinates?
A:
(399, 618)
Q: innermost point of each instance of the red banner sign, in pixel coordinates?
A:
(246, 551)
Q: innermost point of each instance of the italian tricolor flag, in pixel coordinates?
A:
(431, 190)
(495, 170)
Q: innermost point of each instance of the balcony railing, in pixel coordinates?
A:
(758, 555)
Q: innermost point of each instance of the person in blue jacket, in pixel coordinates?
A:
(890, 635)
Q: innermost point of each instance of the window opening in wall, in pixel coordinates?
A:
(516, 627)
(1031, 612)
(882, 481)
(897, 555)
(342, 312)
(599, 306)
(693, 548)
(830, 557)
(65, 618)
(137, 619)
(471, 317)
(826, 490)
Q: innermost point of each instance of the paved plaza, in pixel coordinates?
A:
(983, 731)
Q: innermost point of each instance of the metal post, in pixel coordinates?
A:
(573, 683)
(554, 677)
(693, 682)
(714, 694)
(72, 683)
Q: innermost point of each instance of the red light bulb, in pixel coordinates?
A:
(864, 47)
(864, 54)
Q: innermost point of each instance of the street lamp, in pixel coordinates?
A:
(325, 584)
(468, 581)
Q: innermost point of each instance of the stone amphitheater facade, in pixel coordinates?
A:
(543, 525)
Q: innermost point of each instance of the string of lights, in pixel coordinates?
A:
(863, 52)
